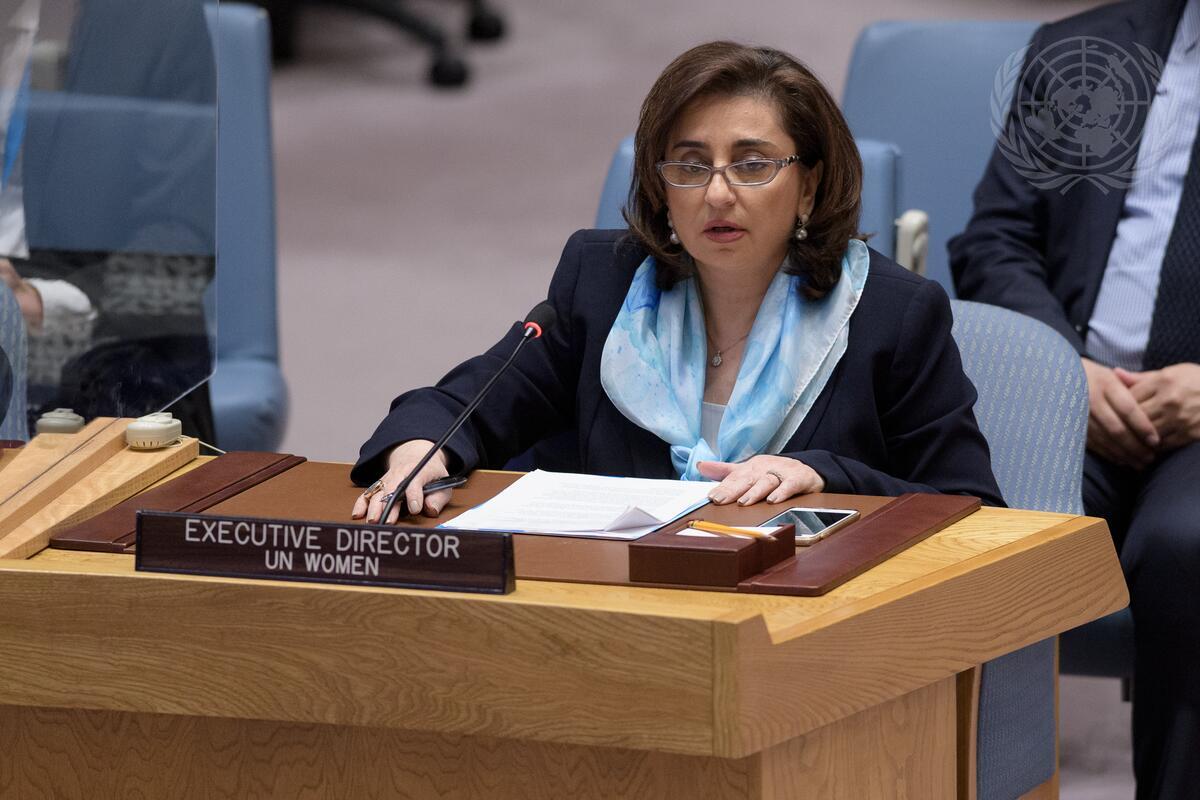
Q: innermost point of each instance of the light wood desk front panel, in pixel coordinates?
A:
(903, 748)
(692, 673)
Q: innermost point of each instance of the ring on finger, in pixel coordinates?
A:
(372, 490)
(775, 475)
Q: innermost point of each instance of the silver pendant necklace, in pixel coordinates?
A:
(716, 359)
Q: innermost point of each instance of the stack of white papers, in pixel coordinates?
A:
(565, 504)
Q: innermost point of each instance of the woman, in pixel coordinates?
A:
(738, 332)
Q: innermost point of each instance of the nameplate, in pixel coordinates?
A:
(296, 550)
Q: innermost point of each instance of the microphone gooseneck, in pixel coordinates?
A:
(539, 320)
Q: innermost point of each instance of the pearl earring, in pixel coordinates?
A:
(801, 231)
(673, 237)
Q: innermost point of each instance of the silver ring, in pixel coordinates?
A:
(372, 490)
(387, 498)
(776, 475)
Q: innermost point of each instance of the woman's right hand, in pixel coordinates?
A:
(400, 461)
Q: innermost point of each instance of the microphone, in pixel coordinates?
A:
(537, 322)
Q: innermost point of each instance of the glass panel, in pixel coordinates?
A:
(107, 212)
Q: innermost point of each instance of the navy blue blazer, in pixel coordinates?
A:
(896, 415)
(1043, 252)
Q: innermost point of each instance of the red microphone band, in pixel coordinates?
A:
(537, 329)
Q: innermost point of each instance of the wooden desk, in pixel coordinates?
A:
(122, 684)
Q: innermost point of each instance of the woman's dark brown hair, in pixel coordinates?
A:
(809, 115)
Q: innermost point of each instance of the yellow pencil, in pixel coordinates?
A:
(724, 530)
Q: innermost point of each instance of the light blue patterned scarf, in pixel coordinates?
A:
(653, 366)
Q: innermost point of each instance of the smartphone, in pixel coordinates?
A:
(813, 524)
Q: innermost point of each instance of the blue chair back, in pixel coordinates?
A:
(881, 164)
(14, 424)
(616, 187)
(90, 182)
(249, 397)
(246, 293)
(1032, 407)
(880, 194)
(929, 87)
(124, 159)
(76, 201)
(1033, 410)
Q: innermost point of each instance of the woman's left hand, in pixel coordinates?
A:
(776, 478)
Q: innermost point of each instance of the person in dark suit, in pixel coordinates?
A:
(737, 332)
(1110, 257)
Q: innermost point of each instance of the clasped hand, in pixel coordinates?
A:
(401, 460)
(1135, 416)
(773, 478)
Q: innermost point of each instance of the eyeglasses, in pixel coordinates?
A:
(751, 172)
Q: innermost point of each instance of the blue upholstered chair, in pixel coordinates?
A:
(897, 89)
(120, 158)
(928, 87)
(1033, 409)
(616, 187)
(881, 194)
(880, 207)
(147, 210)
(13, 416)
(249, 396)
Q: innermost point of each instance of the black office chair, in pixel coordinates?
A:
(447, 68)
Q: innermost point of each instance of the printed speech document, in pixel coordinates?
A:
(567, 504)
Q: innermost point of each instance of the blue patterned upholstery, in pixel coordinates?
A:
(14, 423)
(1032, 405)
(1033, 409)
